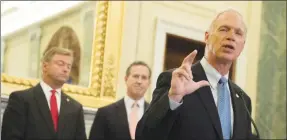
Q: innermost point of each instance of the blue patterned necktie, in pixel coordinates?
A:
(223, 106)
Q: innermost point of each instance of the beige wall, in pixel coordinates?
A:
(19, 46)
(139, 35)
(17, 50)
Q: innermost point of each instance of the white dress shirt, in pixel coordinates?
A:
(47, 91)
(213, 77)
(129, 103)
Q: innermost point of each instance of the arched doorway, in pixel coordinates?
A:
(67, 38)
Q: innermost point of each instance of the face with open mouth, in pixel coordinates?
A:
(226, 39)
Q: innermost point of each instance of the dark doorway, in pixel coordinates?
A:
(177, 48)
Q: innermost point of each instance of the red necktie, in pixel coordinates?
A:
(54, 109)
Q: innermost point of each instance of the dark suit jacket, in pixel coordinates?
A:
(196, 118)
(111, 122)
(28, 117)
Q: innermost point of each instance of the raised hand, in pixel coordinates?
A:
(182, 79)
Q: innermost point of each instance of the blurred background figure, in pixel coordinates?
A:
(118, 121)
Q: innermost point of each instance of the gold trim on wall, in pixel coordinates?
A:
(99, 48)
(113, 50)
(88, 96)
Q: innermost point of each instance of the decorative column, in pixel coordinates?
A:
(2, 54)
(35, 55)
(270, 115)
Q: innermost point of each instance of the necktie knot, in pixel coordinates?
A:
(53, 91)
(135, 105)
(222, 80)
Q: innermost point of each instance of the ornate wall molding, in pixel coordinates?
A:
(99, 47)
(89, 96)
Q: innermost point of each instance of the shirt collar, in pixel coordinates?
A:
(213, 76)
(129, 101)
(47, 89)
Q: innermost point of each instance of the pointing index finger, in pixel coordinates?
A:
(188, 60)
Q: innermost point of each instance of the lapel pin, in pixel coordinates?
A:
(237, 96)
(68, 100)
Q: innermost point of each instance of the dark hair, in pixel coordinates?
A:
(135, 64)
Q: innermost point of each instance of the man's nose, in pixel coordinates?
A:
(230, 36)
(139, 80)
(66, 69)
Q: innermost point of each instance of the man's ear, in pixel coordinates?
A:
(206, 37)
(44, 66)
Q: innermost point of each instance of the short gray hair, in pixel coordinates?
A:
(220, 13)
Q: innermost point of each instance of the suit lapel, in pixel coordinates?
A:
(237, 110)
(64, 109)
(206, 97)
(43, 107)
(122, 117)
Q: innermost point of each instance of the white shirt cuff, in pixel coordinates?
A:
(173, 104)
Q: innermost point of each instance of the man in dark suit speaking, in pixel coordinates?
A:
(118, 121)
(44, 111)
(198, 101)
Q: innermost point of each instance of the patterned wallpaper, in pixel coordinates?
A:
(271, 97)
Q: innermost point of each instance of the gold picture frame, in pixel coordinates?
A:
(91, 96)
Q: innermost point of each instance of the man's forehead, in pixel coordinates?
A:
(61, 56)
(230, 17)
(58, 57)
(139, 69)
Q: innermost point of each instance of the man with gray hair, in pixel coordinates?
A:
(45, 111)
(198, 101)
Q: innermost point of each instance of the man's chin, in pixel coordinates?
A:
(61, 81)
(226, 58)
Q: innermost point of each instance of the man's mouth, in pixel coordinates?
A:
(137, 87)
(228, 46)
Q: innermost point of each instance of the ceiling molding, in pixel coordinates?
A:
(36, 12)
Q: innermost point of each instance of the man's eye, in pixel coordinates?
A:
(60, 63)
(239, 33)
(223, 29)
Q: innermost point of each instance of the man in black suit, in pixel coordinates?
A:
(197, 101)
(44, 111)
(118, 121)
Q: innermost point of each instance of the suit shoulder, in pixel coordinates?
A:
(108, 108)
(164, 78)
(167, 72)
(22, 93)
